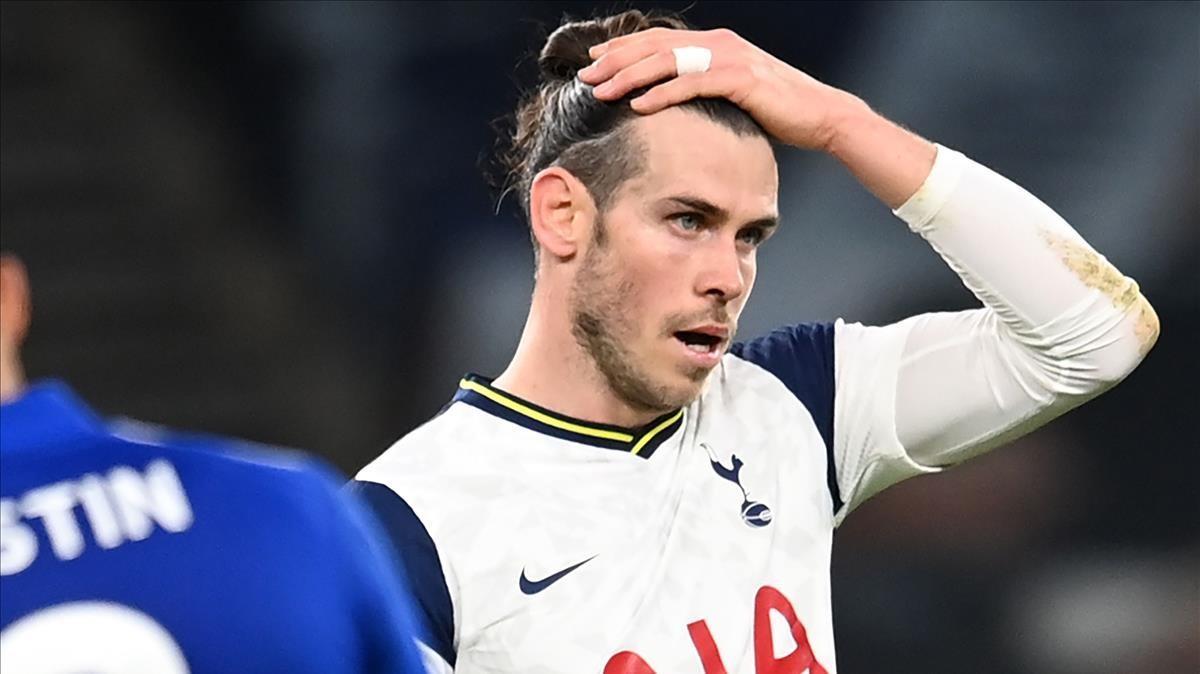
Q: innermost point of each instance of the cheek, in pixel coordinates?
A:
(649, 274)
(637, 294)
(649, 269)
(620, 292)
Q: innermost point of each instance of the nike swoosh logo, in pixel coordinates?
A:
(536, 586)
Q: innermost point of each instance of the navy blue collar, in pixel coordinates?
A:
(47, 413)
(478, 392)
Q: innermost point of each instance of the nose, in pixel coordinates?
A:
(722, 276)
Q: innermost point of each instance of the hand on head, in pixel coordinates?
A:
(680, 65)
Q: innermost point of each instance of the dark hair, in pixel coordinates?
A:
(561, 123)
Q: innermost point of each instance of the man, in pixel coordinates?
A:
(636, 493)
(187, 555)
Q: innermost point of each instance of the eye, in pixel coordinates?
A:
(688, 222)
(752, 235)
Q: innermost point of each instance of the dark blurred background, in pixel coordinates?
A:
(269, 220)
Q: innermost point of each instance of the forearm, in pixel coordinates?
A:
(1019, 257)
(1060, 325)
(888, 160)
(1015, 253)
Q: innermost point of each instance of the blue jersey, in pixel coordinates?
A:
(119, 555)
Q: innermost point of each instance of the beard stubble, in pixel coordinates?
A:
(602, 327)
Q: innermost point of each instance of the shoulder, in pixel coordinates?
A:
(793, 353)
(801, 357)
(271, 477)
(795, 363)
(412, 490)
(432, 481)
(461, 439)
(215, 450)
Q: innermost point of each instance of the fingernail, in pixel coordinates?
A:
(604, 89)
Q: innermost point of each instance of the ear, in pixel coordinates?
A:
(561, 212)
(14, 300)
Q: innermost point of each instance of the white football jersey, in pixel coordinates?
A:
(698, 543)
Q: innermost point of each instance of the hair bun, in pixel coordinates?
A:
(566, 50)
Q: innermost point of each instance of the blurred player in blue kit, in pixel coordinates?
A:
(120, 555)
(638, 492)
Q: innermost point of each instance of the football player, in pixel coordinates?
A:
(638, 492)
(175, 554)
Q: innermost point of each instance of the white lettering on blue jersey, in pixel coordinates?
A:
(164, 553)
(122, 506)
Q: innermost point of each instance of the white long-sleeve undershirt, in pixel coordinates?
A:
(1058, 326)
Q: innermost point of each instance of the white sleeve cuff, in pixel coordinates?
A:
(924, 204)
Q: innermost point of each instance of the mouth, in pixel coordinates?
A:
(705, 342)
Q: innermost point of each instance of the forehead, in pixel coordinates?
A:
(688, 153)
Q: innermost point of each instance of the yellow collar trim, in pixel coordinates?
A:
(655, 431)
(501, 399)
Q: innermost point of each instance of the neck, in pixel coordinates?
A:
(12, 379)
(552, 370)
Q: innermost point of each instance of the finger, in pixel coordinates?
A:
(711, 84)
(648, 35)
(612, 62)
(655, 68)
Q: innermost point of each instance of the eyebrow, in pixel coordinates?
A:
(715, 212)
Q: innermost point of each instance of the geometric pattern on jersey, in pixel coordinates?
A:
(802, 357)
(541, 550)
(168, 553)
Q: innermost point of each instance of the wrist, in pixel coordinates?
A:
(849, 115)
(888, 160)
